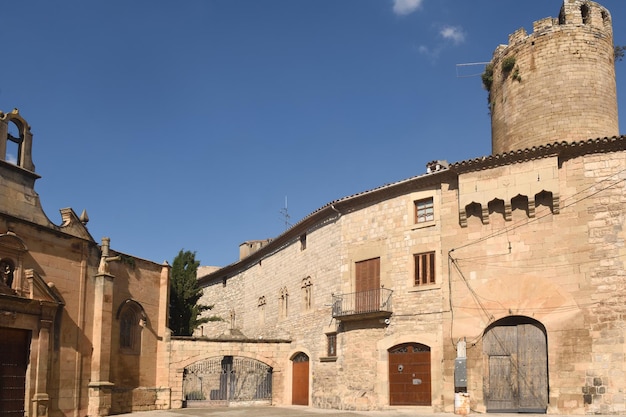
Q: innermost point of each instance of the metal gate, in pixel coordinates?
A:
(222, 380)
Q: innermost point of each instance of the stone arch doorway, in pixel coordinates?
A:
(409, 374)
(515, 356)
(300, 380)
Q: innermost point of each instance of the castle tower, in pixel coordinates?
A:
(556, 84)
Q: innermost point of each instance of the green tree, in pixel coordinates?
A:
(185, 311)
(619, 52)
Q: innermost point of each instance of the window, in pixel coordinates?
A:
(424, 268)
(331, 344)
(283, 299)
(132, 319)
(585, 12)
(307, 294)
(424, 210)
(303, 241)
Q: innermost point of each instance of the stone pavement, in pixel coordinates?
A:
(301, 411)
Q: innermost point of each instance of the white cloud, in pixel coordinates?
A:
(403, 7)
(11, 159)
(453, 33)
(431, 53)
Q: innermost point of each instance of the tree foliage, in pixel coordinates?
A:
(619, 52)
(185, 311)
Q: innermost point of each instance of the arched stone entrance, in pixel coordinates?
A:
(300, 387)
(516, 366)
(409, 374)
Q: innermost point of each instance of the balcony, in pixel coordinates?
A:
(362, 305)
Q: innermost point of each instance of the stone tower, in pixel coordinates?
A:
(556, 84)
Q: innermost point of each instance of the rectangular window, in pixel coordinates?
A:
(331, 339)
(424, 210)
(303, 241)
(424, 268)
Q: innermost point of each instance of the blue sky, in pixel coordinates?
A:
(187, 125)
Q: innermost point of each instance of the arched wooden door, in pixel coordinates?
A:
(300, 386)
(409, 375)
(516, 356)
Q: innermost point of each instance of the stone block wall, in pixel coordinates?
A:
(564, 270)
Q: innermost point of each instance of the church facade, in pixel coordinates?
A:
(82, 327)
(495, 284)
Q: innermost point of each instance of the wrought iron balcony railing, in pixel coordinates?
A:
(364, 304)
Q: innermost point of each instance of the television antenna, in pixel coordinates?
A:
(285, 213)
(470, 66)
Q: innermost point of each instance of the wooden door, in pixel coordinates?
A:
(367, 285)
(409, 375)
(502, 391)
(532, 373)
(517, 374)
(14, 348)
(300, 387)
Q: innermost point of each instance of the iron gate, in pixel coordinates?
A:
(227, 379)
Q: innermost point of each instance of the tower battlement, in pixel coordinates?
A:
(557, 83)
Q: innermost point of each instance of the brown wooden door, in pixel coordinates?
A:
(300, 388)
(409, 375)
(517, 379)
(14, 352)
(367, 285)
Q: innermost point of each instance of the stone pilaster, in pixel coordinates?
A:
(41, 398)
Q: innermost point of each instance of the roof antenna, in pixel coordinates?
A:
(461, 69)
(285, 214)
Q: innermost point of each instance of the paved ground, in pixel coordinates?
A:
(295, 411)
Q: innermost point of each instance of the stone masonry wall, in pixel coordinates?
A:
(564, 270)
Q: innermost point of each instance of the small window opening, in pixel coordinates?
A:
(585, 12)
(331, 344)
(562, 17)
(303, 241)
(424, 268)
(605, 18)
(307, 294)
(424, 210)
(283, 299)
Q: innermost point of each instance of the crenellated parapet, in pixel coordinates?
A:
(555, 84)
